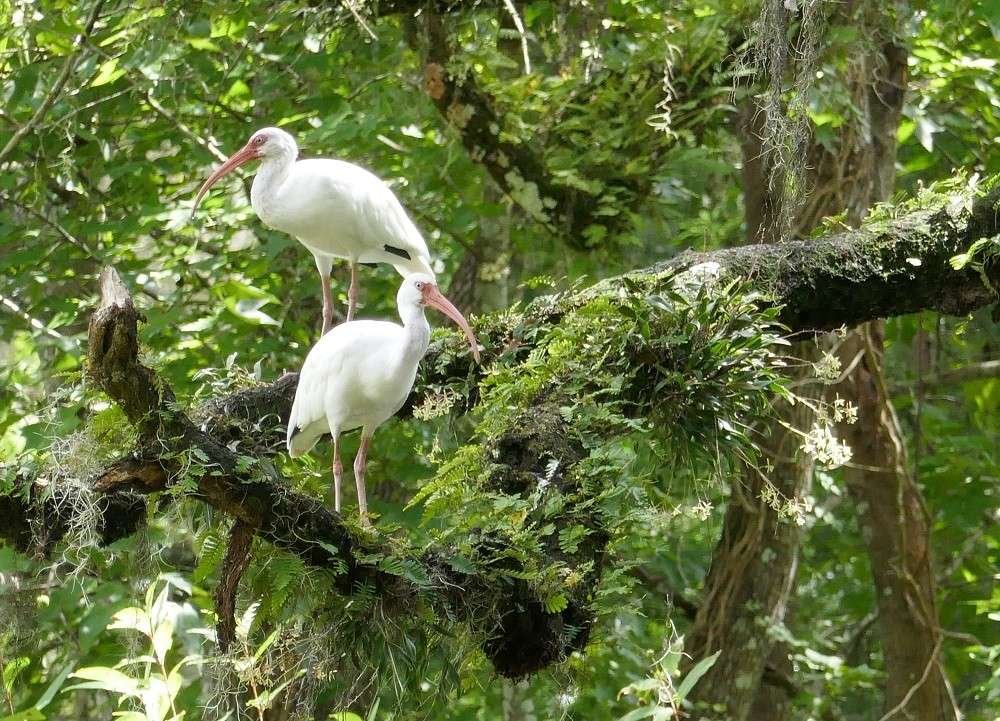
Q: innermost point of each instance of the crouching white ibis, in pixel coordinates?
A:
(334, 208)
(359, 374)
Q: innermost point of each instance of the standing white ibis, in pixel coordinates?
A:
(359, 374)
(334, 208)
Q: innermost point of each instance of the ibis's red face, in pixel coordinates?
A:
(435, 299)
(253, 150)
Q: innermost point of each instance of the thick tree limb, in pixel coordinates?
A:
(839, 279)
(835, 280)
(514, 167)
(518, 634)
(817, 279)
(520, 170)
(168, 437)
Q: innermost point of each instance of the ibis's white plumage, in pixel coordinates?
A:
(337, 210)
(357, 375)
(334, 208)
(360, 373)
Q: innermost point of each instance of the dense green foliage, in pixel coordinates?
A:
(632, 106)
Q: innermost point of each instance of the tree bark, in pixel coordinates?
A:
(520, 635)
(747, 589)
(858, 174)
(894, 518)
(836, 279)
(895, 526)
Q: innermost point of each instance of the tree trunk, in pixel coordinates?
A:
(748, 586)
(895, 526)
(753, 568)
(894, 518)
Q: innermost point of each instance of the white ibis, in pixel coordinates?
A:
(334, 208)
(359, 374)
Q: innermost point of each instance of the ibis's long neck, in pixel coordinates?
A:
(271, 174)
(416, 330)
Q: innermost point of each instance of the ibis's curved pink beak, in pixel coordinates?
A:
(435, 299)
(241, 157)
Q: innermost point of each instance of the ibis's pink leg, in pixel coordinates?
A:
(323, 265)
(327, 303)
(338, 474)
(360, 463)
(352, 292)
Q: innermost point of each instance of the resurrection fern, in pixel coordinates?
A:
(548, 484)
(281, 582)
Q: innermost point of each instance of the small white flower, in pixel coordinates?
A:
(844, 412)
(702, 510)
(825, 448)
(827, 368)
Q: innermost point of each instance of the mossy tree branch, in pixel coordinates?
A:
(517, 633)
(886, 268)
(891, 266)
(520, 169)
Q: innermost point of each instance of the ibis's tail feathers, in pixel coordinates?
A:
(301, 440)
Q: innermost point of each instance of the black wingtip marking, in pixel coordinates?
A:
(397, 251)
(295, 431)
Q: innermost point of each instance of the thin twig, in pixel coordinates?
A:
(509, 4)
(31, 320)
(65, 234)
(349, 4)
(365, 85)
(170, 117)
(93, 103)
(71, 60)
(915, 687)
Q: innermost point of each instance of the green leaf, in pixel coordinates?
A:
(32, 714)
(107, 73)
(12, 669)
(132, 619)
(245, 623)
(556, 603)
(266, 644)
(639, 713)
(695, 674)
(53, 687)
(106, 679)
(163, 639)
